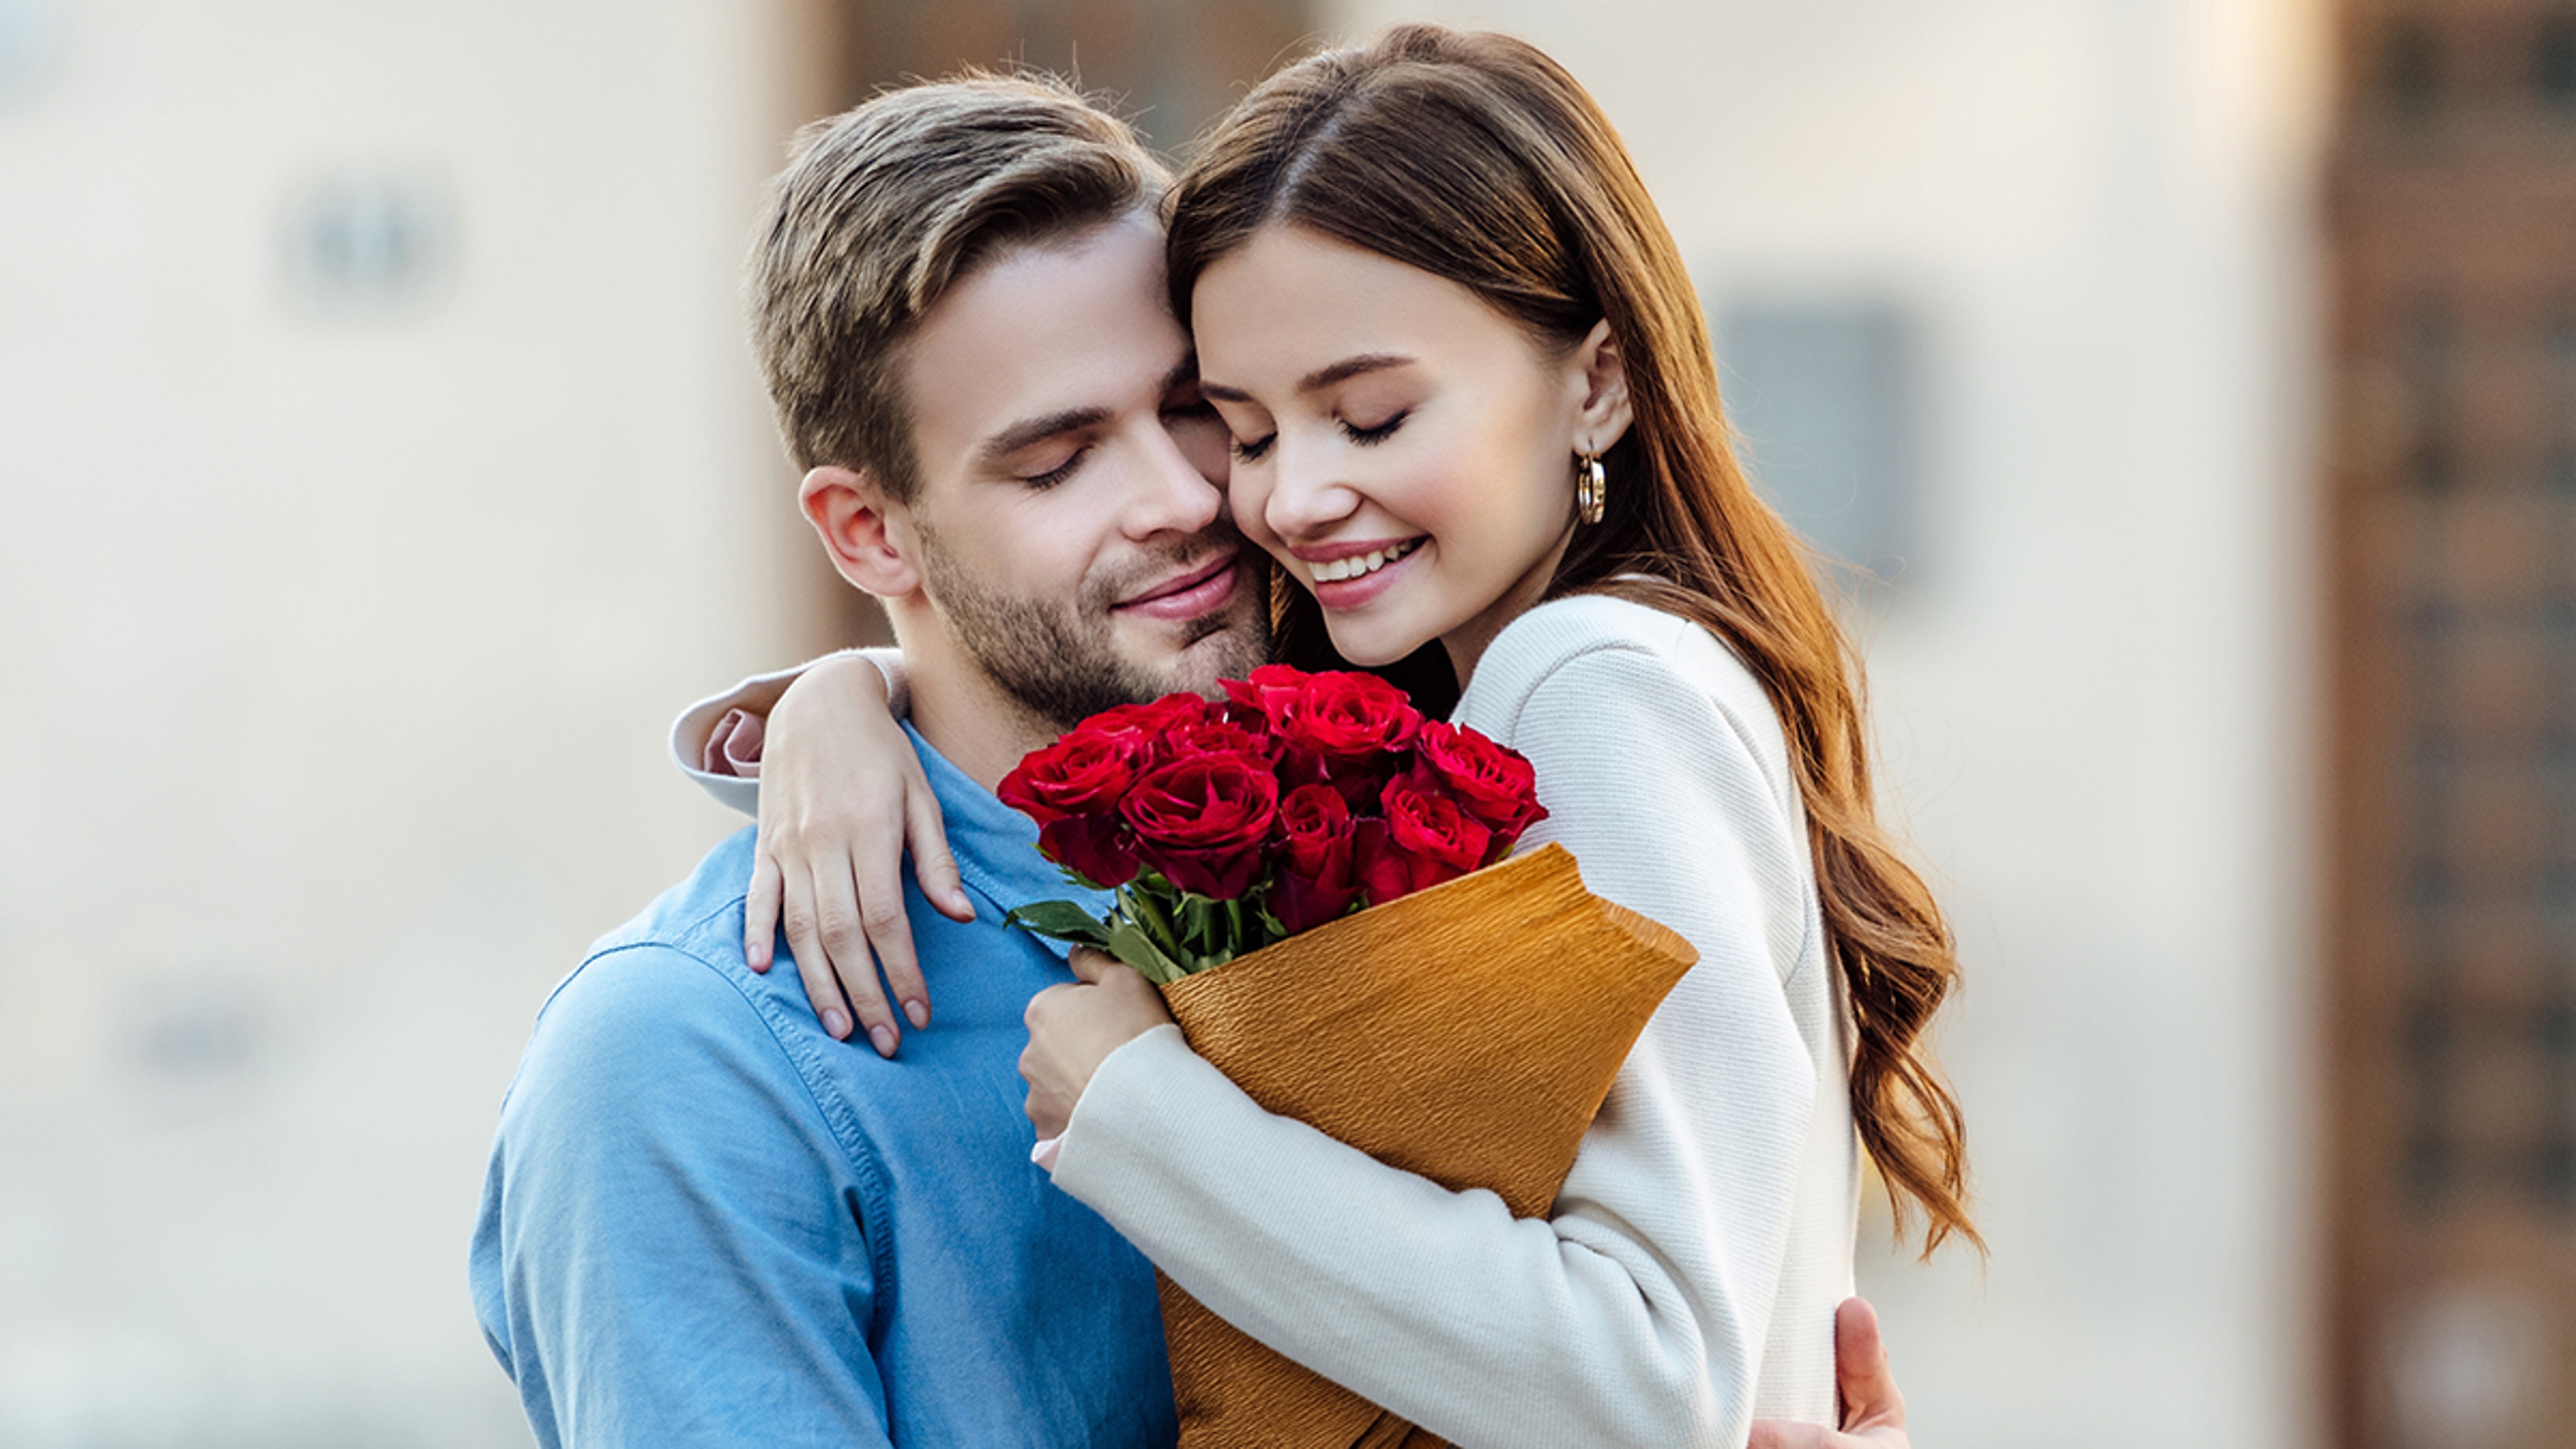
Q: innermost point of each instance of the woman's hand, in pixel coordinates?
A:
(1873, 1410)
(841, 796)
(1074, 1028)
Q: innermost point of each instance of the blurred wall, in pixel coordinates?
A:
(2093, 677)
(378, 461)
(380, 465)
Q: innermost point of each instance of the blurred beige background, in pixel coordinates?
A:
(381, 467)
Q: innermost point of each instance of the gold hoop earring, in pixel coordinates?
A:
(1591, 488)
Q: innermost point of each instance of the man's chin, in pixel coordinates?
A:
(1193, 658)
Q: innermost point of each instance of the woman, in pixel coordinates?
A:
(1473, 405)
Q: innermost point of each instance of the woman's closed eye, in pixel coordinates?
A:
(1250, 452)
(1377, 433)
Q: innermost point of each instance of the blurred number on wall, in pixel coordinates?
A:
(28, 32)
(366, 241)
(1825, 397)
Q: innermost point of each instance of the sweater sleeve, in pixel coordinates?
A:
(756, 697)
(1636, 1313)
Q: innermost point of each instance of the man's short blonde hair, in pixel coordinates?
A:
(882, 208)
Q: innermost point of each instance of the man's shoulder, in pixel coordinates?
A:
(664, 1000)
(699, 916)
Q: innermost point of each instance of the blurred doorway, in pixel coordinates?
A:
(1170, 66)
(2451, 509)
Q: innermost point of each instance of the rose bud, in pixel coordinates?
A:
(1315, 883)
(1097, 848)
(1494, 784)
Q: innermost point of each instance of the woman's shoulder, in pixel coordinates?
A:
(1646, 645)
(1619, 657)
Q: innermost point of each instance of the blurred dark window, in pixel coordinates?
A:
(2553, 61)
(2411, 64)
(1825, 396)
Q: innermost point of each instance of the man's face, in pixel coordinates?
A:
(1070, 509)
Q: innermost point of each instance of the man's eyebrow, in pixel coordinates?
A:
(1321, 378)
(1037, 430)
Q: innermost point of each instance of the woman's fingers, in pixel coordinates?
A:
(881, 913)
(926, 831)
(847, 961)
(1870, 1397)
(760, 909)
(798, 917)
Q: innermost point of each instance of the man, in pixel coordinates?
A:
(708, 1220)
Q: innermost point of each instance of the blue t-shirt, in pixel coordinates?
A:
(706, 1222)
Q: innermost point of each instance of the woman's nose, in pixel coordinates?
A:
(1307, 495)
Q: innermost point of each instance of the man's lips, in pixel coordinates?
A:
(1190, 595)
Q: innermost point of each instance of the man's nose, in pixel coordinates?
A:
(1170, 494)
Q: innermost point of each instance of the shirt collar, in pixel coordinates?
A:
(996, 846)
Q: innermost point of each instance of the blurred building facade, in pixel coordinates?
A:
(2452, 519)
(382, 467)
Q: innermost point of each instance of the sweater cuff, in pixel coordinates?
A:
(1115, 1115)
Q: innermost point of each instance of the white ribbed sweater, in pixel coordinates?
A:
(1685, 1280)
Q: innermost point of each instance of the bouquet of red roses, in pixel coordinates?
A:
(1314, 875)
(1223, 827)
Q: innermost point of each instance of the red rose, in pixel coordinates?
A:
(1204, 822)
(1349, 717)
(1271, 693)
(1427, 839)
(1315, 882)
(1217, 736)
(1083, 773)
(1098, 848)
(1146, 725)
(1495, 784)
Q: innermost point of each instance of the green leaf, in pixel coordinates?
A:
(1133, 946)
(1149, 909)
(1063, 921)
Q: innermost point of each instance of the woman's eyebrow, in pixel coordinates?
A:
(1318, 380)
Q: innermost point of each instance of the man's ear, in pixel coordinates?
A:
(1600, 378)
(869, 538)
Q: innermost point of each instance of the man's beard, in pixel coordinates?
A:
(1059, 659)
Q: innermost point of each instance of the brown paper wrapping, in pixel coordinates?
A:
(1467, 1033)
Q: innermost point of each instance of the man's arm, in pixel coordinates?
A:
(669, 1251)
(1873, 1410)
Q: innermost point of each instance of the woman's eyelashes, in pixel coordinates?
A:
(1370, 436)
(1379, 433)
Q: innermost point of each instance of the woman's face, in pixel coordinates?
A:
(1404, 450)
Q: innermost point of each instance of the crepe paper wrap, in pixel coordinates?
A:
(1468, 1033)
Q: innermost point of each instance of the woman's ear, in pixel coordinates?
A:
(1600, 377)
(869, 537)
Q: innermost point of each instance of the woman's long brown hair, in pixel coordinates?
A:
(1476, 158)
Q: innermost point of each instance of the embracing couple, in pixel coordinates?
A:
(1403, 372)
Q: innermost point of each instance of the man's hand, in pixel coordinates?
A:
(1073, 1029)
(1873, 1410)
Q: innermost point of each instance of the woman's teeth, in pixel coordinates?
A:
(1367, 563)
